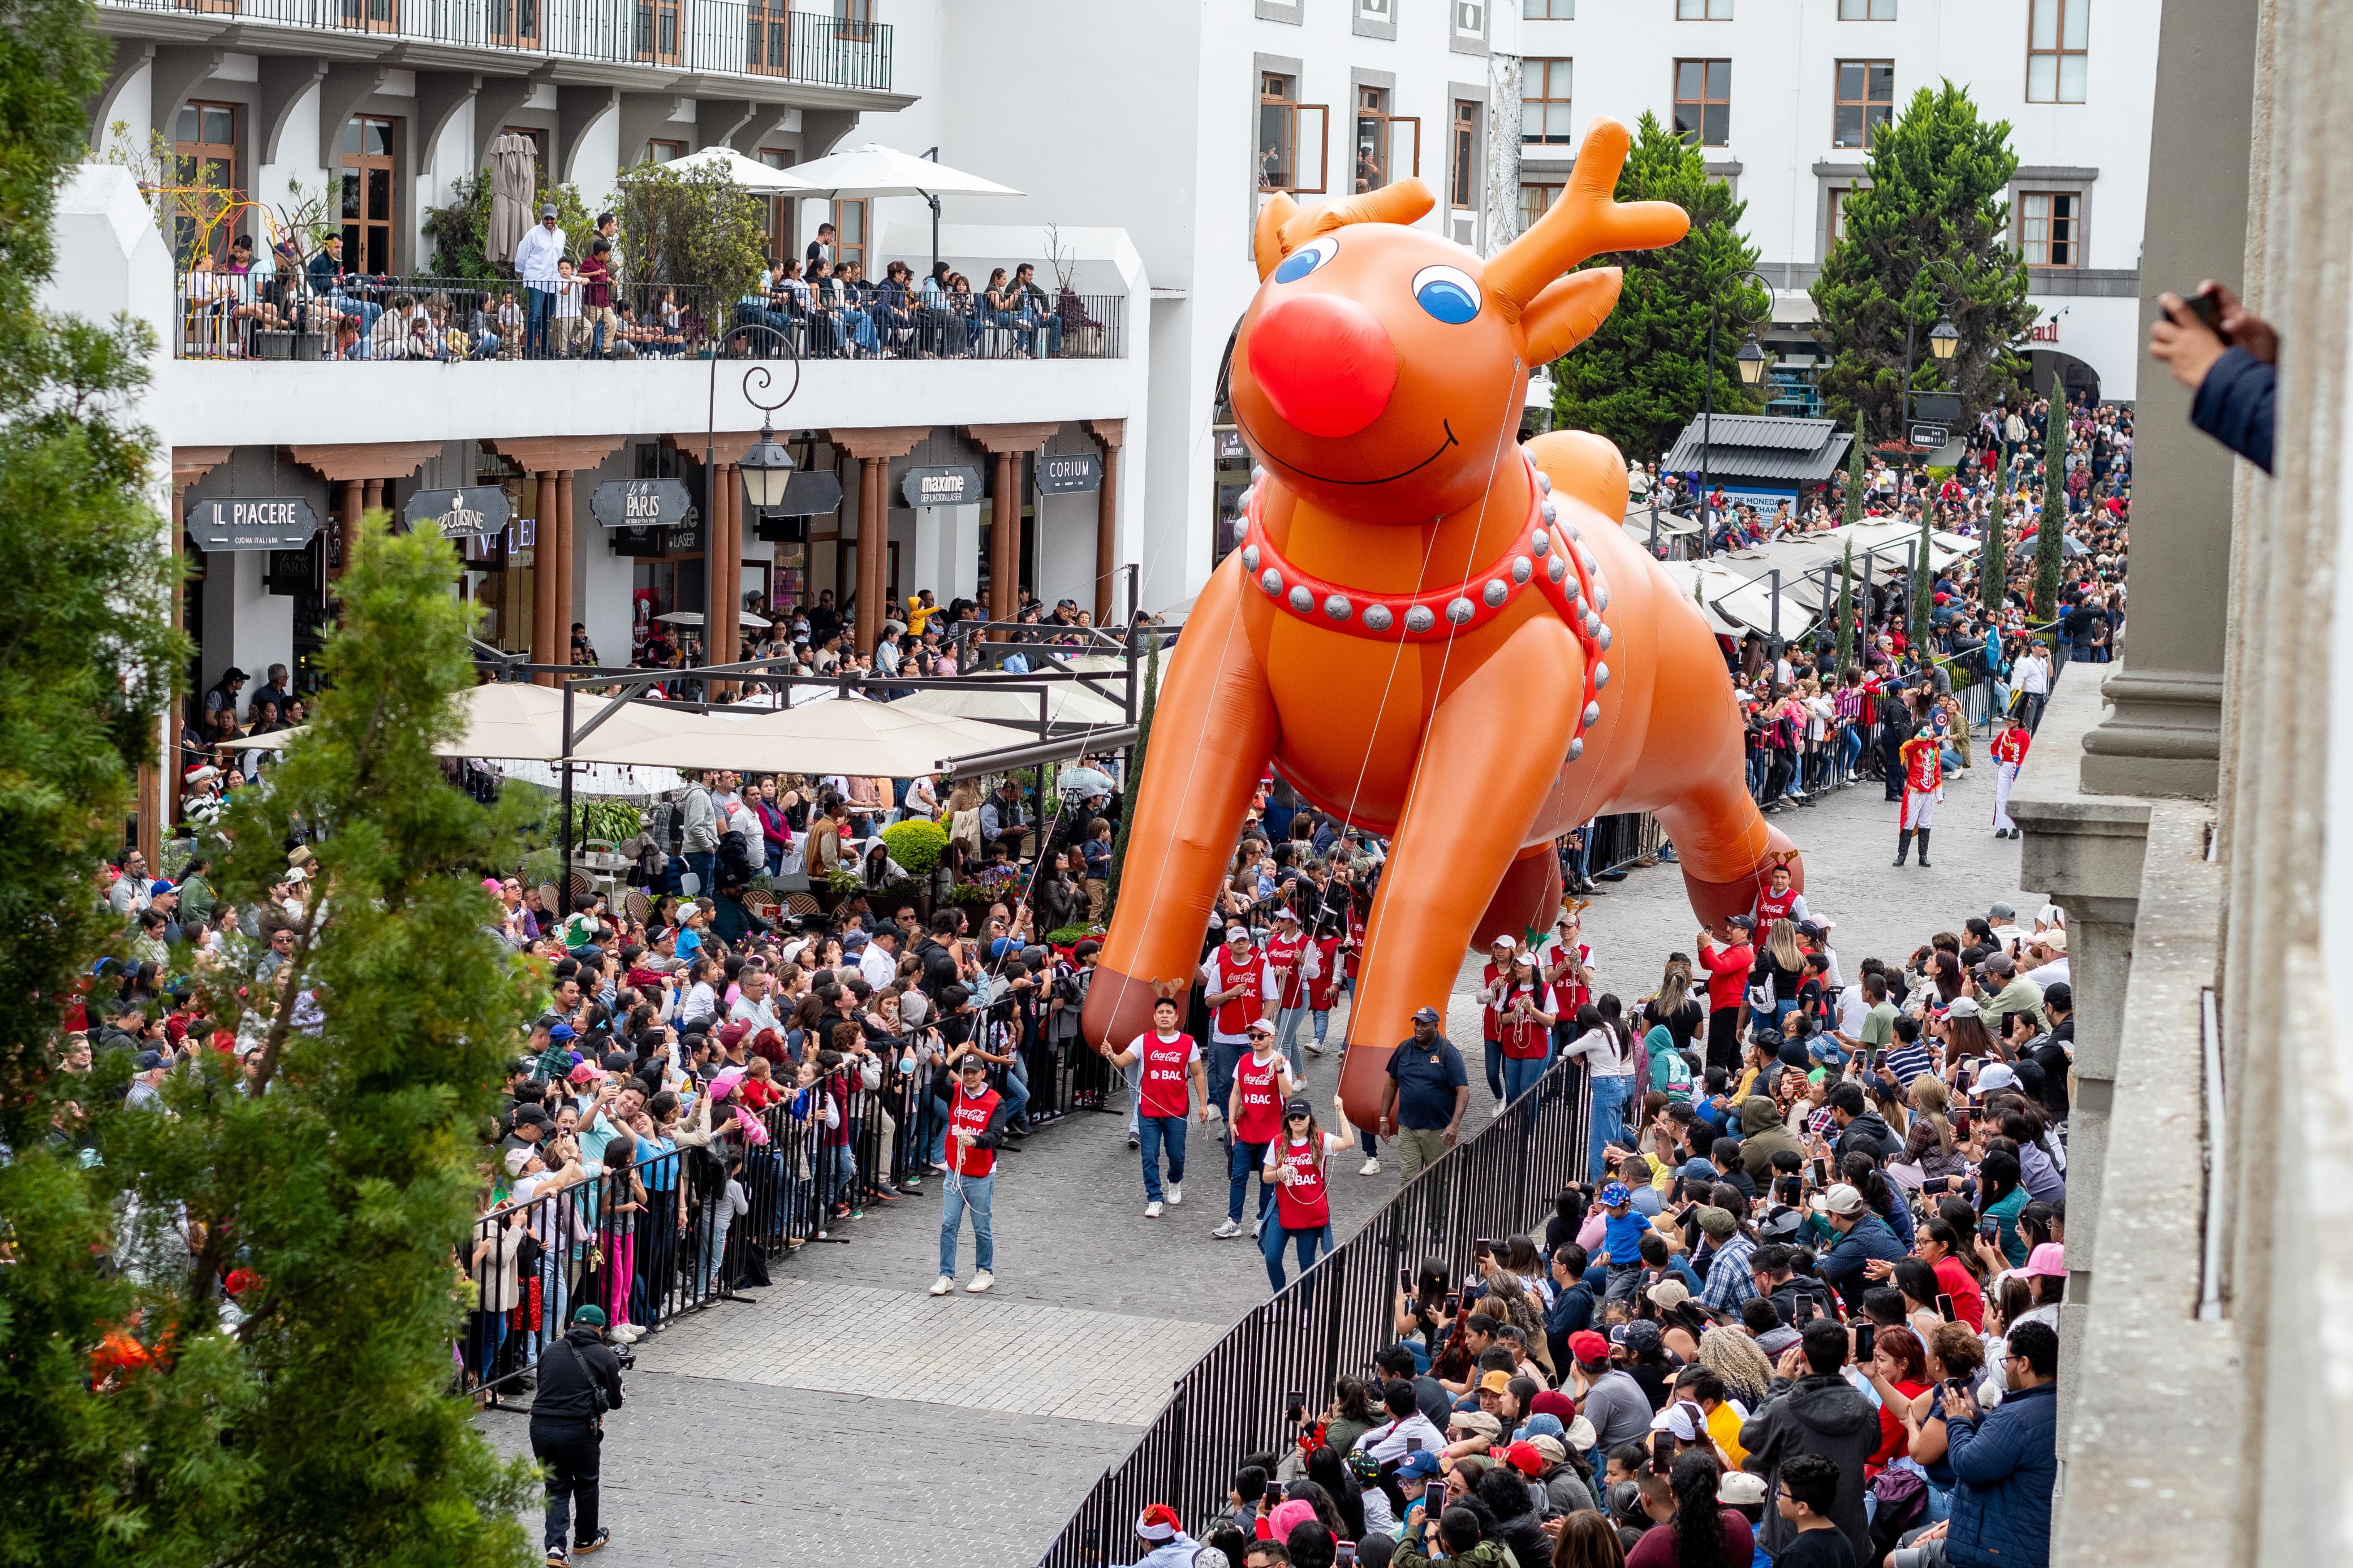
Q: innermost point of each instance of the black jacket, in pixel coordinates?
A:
(565, 1377)
(1815, 1415)
(939, 967)
(1867, 1133)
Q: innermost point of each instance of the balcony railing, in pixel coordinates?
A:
(718, 37)
(225, 315)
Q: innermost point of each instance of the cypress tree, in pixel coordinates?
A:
(2050, 530)
(1846, 607)
(1993, 565)
(1924, 578)
(1854, 475)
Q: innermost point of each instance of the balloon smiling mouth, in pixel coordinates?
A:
(1326, 480)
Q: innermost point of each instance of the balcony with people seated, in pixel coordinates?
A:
(690, 42)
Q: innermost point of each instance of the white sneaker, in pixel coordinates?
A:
(1314, 1050)
(1134, 1140)
(943, 1285)
(1501, 1106)
(981, 1281)
(1176, 1194)
(1152, 1209)
(629, 1332)
(1257, 1227)
(1226, 1229)
(1371, 1167)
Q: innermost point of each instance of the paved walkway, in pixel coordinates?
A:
(849, 1418)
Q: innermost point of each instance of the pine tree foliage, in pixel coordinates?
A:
(2050, 529)
(1924, 581)
(1640, 378)
(1854, 475)
(1846, 607)
(1937, 176)
(1993, 563)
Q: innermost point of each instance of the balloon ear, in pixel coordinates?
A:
(1568, 311)
(1266, 241)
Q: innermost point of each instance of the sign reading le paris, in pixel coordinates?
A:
(478, 511)
(640, 503)
(252, 522)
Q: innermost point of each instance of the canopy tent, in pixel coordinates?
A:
(1737, 597)
(875, 170)
(1068, 703)
(748, 173)
(1888, 538)
(870, 739)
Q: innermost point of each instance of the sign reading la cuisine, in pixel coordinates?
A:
(476, 511)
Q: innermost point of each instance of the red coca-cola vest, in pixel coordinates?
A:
(1302, 1204)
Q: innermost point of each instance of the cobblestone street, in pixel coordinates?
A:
(883, 1426)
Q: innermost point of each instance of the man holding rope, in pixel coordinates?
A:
(976, 1130)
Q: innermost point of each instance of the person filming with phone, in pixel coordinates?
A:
(2229, 358)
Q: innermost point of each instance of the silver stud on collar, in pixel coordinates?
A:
(1338, 607)
(1521, 569)
(1420, 618)
(1460, 611)
(1592, 711)
(1378, 618)
(1272, 581)
(1250, 558)
(1302, 599)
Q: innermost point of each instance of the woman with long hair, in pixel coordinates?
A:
(2002, 1194)
(1692, 1529)
(1298, 1165)
(1861, 1172)
(1609, 1062)
(1733, 1356)
(1326, 1471)
(1587, 1540)
(1964, 1033)
(1899, 1371)
(1674, 1005)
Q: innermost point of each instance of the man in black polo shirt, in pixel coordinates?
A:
(1423, 1103)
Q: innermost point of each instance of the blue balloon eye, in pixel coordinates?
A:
(1305, 259)
(1448, 293)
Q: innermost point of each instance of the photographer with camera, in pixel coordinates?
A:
(579, 1380)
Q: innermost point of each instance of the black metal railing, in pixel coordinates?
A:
(1329, 1322)
(286, 316)
(684, 1245)
(717, 37)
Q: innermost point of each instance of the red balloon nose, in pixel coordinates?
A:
(1324, 361)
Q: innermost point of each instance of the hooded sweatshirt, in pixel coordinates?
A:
(1818, 1414)
(1763, 1135)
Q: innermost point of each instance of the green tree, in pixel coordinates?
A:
(1845, 631)
(460, 231)
(1937, 178)
(1854, 475)
(1150, 700)
(1924, 580)
(307, 1418)
(1642, 375)
(1994, 563)
(694, 228)
(2050, 529)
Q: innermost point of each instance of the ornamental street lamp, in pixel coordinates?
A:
(1752, 360)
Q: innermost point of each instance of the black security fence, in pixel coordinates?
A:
(675, 1232)
(1329, 1322)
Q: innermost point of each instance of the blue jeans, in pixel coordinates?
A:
(1307, 1246)
(1286, 1035)
(1520, 1075)
(932, 1130)
(1246, 1158)
(1136, 1093)
(1495, 1067)
(1016, 1091)
(1610, 1096)
(705, 864)
(967, 1194)
(1155, 1131)
(1224, 1057)
(1322, 1021)
(539, 307)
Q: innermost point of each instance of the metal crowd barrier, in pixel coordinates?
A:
(1329, 1322)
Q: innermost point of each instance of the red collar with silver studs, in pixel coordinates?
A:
(1549, 555)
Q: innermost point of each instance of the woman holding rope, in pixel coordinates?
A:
(1298, 1162)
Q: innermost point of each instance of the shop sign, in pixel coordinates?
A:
(1232, 453)
(814, 493)
(252, 522)
(477, 511)
(956, 486)
(640, 503)
(1073, 474)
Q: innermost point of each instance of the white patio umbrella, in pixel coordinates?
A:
(875, 170)
(1066, 703)
(694, 618)
(505, 721)
(872, 739)
(749, 173)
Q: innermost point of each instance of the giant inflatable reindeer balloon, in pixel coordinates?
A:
(1429, 630)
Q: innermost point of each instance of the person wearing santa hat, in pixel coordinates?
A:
(1160, 1530)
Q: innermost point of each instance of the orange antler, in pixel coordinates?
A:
(1587, 221)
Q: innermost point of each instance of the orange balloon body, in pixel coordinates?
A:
(1379, 376)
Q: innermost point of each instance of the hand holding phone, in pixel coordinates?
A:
(2206, 306)
(1433, 1498)
(1945, 1308)
(1866, 1342)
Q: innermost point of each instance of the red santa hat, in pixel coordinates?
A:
(1158, 1522)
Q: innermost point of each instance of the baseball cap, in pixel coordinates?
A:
(1416, 1466)
(1259, 1026)
(1237, 932)
(1297, 1106)
(1740, 1489)
(1963, 1007)
(1615, 1195)
(560, 1030)
(2000, 1075)
(1425, 1016)
(588, 1312)
(1477, 1421)
(1668, 1293)
(518, 1158)
(1524, 1458)
(1495, 1381)
(2047, 1261)
(735, 1031)
(161, 885)
(1550, 1450)
(1503, 942)
(1997, 914)
(549, 211)
(1717, 1222)
(618, 1061)
(582, 1072)
(2059, 994)
(1841, 1199)
(148, 1061)
(1588, 1347)
(1773, 1342)
(532, 1116)
(1740, 922)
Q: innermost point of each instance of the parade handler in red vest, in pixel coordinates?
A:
(1262, 1082)
(975, 1125)
(1299, 1163)
(1172, 1075)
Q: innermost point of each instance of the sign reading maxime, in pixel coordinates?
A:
(958, 486)
(477, 511)
(252, 522)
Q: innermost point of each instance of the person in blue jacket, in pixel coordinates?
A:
(2006, 1461)
(2231, 366)
(1861, 1235)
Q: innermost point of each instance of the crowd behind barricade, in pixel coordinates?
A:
(1804, 1312)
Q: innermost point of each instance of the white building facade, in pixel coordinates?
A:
(1782, 96)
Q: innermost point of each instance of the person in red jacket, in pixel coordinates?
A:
(1728, 969)
(1922, 760)
(2008, 755)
